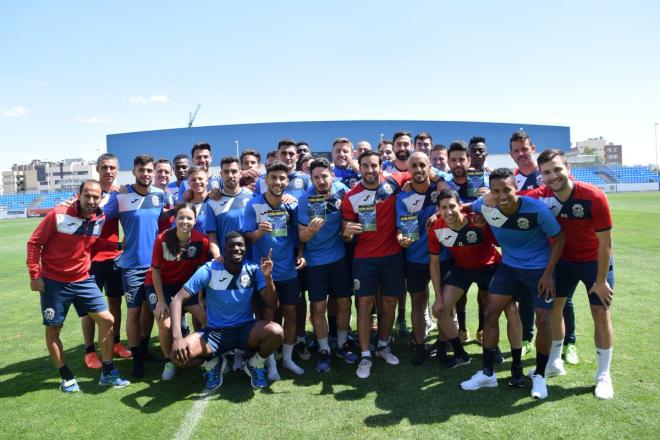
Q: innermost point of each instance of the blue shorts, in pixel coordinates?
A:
(133, 282)
(522, 284)
(58, 297)
(303, 279)
(570, 273)
(386, 272)
(169, 291)
(463, 278)
(417, 277)
(222, 340)
(288, 292)
(332, 279)
(108, 277)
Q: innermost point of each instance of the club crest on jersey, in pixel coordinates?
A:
(49, 314)
(245, 281)
(539, 180)
(471, 237)
(387, 188)
(356, 284)
(522, 223)
(578, 210)
(297, 183)
(97, 229)
(155, 200)
(153, 299)
(191, 251)
(434, 197)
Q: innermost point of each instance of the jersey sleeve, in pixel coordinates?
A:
(476, 205)
(41, 235)
(210, 222)
(200, 280)
(249, 218)
(157, 254)
(601, 212)
(111, 209)
(547, 221)
(303, 217)
(347, 212)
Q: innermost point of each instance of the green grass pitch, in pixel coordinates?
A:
(395, 402)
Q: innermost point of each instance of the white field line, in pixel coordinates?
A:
(192, 418)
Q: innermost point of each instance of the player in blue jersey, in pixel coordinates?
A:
(139, 210)
(200, 195)
(413, 210)
(319, 227)
(226, 214)
(230, 287)
(271, 226)
(344, 166)
(201, 156)
(298, 182)
(522, 227)
(180, 165)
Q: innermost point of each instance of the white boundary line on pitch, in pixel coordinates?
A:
(192, 417)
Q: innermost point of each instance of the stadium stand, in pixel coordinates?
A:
(21, 202)
(603, 174)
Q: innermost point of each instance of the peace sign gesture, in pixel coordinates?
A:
(267, 263)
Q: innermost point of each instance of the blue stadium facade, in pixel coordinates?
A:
(320, 134)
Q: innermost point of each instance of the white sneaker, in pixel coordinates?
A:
(570, 354)
(604, 389)
(386, 354)
(479, 380)
(539, 388)
(168, 371)
(364, 367)
(555, 369)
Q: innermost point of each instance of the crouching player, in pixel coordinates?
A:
(229, 287)
(476, 259)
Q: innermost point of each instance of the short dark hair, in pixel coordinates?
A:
(384, 142)
(370, 153)
(171, 240)
(319, 162)
(234, 234)
(285, 143)
(399, 134)
(276, 165)
(250, 152)
(549, 154)
(107, 156)
(200, 146)
(163, 161)
(457, 146)
(477, 139)
(438, 147)
(180, 156)
(301, 143)
(500, 173)
(519, 136)
(271, 153)
(422, 136)
(195, 169)
(86, 182)
(342, 140)
(142, 159)
(229, 159)
(448, 194)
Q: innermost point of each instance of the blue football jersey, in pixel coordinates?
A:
(298, 184)
(347, 176)
(215, 182)
(422, 206)
(227, 214)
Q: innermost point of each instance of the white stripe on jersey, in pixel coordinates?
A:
(446, 236)
(414, 203)
(220, 279)
(493, 216)
(129, 202)
(67, 224)
(552, 203)
(362, 198)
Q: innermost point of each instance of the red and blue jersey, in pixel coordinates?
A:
(472, 246)
(326, 246)
(525, 183)
(228, 296)
(177, 269)
(382, 241)
(584, 213)
(138, 216)
(110, 232)
(523, 235)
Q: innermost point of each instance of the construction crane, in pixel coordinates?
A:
(192, 116)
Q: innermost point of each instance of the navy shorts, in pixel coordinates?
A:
(133, 282)
(58, 297)
(303, 279)
(108, 277)
(288, 292)
(570, 273)
(169, 291)
(222, 340)
(386, 272)
(463, 278)
(522, 284)
(417, 277)
(332, 279)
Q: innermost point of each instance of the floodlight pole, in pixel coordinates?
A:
(236, 142)
(655, 144)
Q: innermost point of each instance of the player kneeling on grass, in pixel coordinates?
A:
(58, 259)
(230, 287)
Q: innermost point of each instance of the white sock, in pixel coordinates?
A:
(604, 360)
(342, 336)
(366, 354)
(287, 352)
(323, 344)
(256, 361)
(287, 361)
(271, 365)
(555, 351)
(382, 343)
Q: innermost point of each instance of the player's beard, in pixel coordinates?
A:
(402, 155)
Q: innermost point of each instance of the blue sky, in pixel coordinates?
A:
(72, 72)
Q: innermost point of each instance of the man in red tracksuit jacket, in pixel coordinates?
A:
(58, 260)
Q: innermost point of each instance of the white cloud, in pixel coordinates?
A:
(159, 99)
(16, 111)
(93, 120)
